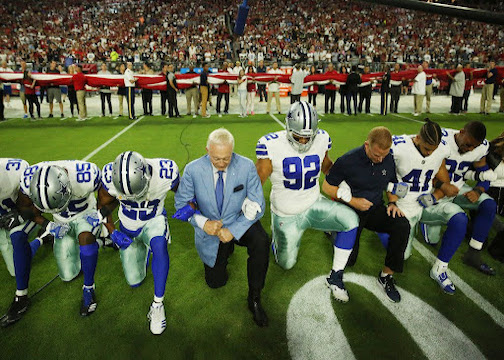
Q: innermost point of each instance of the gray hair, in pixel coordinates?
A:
(220, 136)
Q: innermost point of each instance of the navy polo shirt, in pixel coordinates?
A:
(365, 178)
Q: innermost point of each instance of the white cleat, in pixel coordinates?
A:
(335, 283)
(157, 318)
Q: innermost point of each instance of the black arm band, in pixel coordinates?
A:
(44, 224)
(438, 183)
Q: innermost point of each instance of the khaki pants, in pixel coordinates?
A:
(418, 103)
(486, 98)
(428, 94)
(276, 94)
(192, 94)
(81, 100)
(120, 98)
(501, 109)
(204, 99)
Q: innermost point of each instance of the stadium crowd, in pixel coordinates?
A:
(198, 31)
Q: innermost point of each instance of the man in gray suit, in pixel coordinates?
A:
(227, 191)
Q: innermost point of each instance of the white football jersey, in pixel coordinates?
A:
(295, 177)
(135, 214)
(84, 179)
(456, 163)
(415, 169)
(11, 171)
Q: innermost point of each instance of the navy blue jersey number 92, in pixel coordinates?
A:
(293, 168)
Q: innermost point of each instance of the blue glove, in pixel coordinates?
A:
(186, 212)
(120, 239)
(400, 189)
(427, 200)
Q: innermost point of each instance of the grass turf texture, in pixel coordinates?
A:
(215, 324)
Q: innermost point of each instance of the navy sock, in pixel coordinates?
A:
(160, 264)
(89, 258)
(345, 240)
(453, 236)
(34, 245)
(484, 219)
(22, 259)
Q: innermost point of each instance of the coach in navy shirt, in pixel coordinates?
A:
(368, 170)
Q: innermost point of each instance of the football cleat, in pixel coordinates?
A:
(16, 310)
(157, 318)
(387, 283)
(335, 283)
(88, 303)
(443, 281)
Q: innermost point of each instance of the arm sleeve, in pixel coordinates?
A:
(185, 193)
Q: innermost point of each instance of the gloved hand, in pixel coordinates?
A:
(186, 212)
(120, 239)
(488, 175)
(10, 220)
(58, 230)
(95, 218)
(344, 192)
(400, 189)
(250, 209)
(427, 200)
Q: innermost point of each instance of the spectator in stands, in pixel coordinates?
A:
(79, 82)
(29, 84)
(428, 87)
(395, 90)
(313, 89)
(105, 92)
(353, 81)
(261, 88)
(173, 90)
(488, 89)
(418, 90)
(457, 89)
(330, 90)
(467, 87)
(242, 93)
(204, 86)
(192, 93)
(343, 89)
(147, 93)
(223, 91)
(385, 90)
(54, 91)
(274, 88)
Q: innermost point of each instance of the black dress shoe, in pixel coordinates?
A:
(255, 307)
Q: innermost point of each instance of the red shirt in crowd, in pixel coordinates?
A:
(28, 90)
(224, 87)
(79, 81)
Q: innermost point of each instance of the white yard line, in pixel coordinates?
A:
(407, 118)
(106, 143)
(278, 121)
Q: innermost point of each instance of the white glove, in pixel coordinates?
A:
(250, 209)
(58, 230)
(488, 175)
(344, 192)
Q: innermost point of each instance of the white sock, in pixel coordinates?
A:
(40, 241)
(440, 266)
(22, 292)
(340, 258)
(89, 287)
(158, 299)
(475, 244)
(384, 274)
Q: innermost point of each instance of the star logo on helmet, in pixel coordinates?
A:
(63, 190)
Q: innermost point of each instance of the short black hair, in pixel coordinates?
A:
(477, 130)
(431, 132)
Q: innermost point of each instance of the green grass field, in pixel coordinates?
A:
(215, 324)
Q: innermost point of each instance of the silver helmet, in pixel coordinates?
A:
(131, 175)
(301, 122)
(50, 189)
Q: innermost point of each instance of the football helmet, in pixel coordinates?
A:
(50, 189)
(131, 175)
(301, 122)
